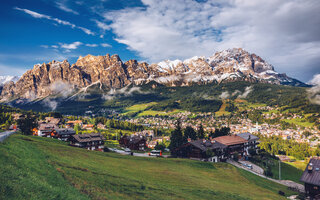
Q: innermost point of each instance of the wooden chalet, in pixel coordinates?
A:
(44, 130)
(63, 134)
(133, 142)
(93, 141)
(252, 142)
(233, 143)
(311, 178)
(222, 147)
(71, 124)
(53, 120)
(198, 149)
(88, 126)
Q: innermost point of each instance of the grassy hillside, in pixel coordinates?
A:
(289, 171)
(44, 168)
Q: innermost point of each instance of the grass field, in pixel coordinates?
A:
(161, 113)
(138, 108)
(44, 168)
(299, 164)
(288, 172)
(222, 110)
(144, 110)
(299, 122)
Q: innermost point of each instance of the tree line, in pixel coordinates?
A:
(275, 145)
(180, 136)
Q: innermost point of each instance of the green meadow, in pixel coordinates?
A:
(45, 168)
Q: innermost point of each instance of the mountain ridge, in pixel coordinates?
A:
(111, 72)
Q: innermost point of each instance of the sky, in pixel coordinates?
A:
(284, 33)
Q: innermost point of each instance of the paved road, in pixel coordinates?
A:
(287, 183)
(5, 134)
(255, 168)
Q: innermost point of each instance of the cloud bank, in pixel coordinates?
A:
(314, 92)
(58, 88)
(285, 33)
(237, 93)
(126, 91)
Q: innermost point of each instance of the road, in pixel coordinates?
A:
(255, 168)
(287, 183)
(4, 135)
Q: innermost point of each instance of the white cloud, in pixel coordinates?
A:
(314, 92)
(246, 92)
(285, 33)
(59, 21)
(73, 45)
(125, 91)
(224, 95)
(64, 7)
(91, 45)
(33, 14)
(102, 25)
(87, 31)
(52, 104)
(105, 45)
(61, 88)
(58, 88)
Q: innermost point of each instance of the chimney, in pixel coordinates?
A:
(204, 140)
(310, 168)
(213, 141)
(189, 139)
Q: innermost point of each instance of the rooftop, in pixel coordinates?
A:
(207, 144)
(311, 174)
(88, 137)
(248, 136)
(230, 140)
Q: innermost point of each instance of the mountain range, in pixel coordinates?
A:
(111, 72)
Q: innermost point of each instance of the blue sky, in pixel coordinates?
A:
(285, 33)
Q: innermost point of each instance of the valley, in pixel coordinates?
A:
(160, 99)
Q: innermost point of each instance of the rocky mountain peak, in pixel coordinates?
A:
(228, 65)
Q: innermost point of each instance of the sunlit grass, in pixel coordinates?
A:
(45, 168)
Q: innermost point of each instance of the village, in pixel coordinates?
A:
(235, 147)
(238, 124)
(220, 148)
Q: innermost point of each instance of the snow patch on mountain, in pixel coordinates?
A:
(6, 79)
(168, 65)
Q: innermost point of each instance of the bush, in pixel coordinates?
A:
(236, 156)
(160, 146)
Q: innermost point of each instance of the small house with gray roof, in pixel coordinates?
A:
(202, 149)
(93, 141)
(311, 178)
(251, 144)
